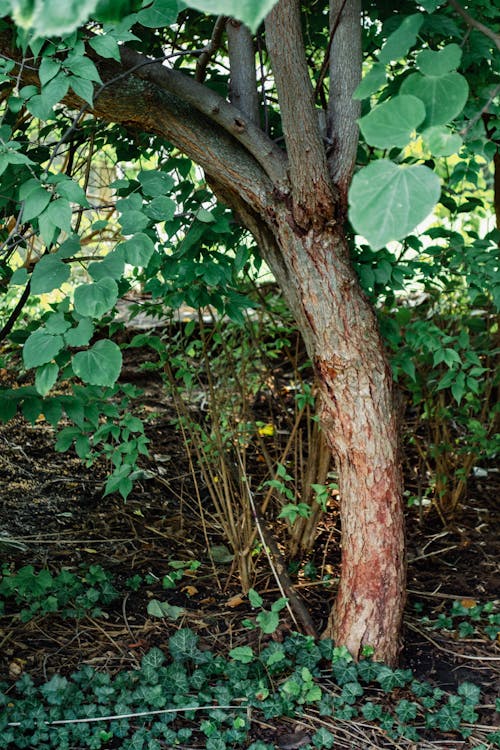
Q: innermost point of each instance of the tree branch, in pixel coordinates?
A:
(210, 49)
(470, 21)
(243, 79)
(208, 102)
(140, 101)
(311, 188)
(345, 75)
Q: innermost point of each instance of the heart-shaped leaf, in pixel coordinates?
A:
(392, 122)
(440, 62)
(388, 201)
(443, 97)
(99, 365)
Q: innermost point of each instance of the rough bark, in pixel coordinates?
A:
(345, 75)
(292, 207)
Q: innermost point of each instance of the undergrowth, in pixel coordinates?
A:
(190, 696)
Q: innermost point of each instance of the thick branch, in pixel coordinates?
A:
(243, 79)
(345, 74)
(208, 102)
(312, 192)
(146, 106)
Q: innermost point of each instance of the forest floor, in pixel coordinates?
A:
(52, 514)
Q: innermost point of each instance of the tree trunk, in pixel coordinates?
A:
(359, 422)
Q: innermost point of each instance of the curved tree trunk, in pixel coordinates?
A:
(359, 422)
(294, 205)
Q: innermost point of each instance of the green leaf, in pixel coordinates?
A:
(443, 97)
(93, 300)
(48, 69)
(160, 13)
(221, 554)
(445, 60)
(392, 122)
(153, 659)
(251, 12)
(205, 216)
(164, 609)
(401, 40)
(138, 249)
(49, 273)
(59, 213)
(72, 191)
(81, 335)
(268, 621)
(83, 88)
(51, 17)
(244, 654)
(99, 365)
(161, 209)
(41, 347)
(255, 598)
(372, 81)
(183, 645)
(45, 377)
(57, 323)
(111, 267)
(83, 67)
(442, 142)
(105, 46)
(133, 221)
(35, 202)
(155, 183)
(388, 201)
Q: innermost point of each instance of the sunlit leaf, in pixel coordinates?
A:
(388, 201)
(443, 97)
(392, 122)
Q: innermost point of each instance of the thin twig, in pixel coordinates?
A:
(475, 24)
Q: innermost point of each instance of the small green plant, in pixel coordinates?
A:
(66, 593)
(267, 620)
(467, 618)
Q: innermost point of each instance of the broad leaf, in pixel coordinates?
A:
(164, 609)
(443, 97)
(388, 201)
(49, 273)
(51, 17)
(372, 81)
(41, 347)
(159, 13)
(251, 12)
(138, 250)
(99, 365)
(392, 122)
(401, 40)
(45, 377)
(438, 63)
(442, 142)
(93, 300)
(155, 183)
(81, 335)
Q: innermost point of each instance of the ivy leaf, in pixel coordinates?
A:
(438, 63)
(41, 347)
(183, 645)
(49, 273)
(99, 365)
(153, 659)
(444, 97)
(244, 654)
(93, 300)
(401, 40)
(388, 201)
(392, 122)
(164, 609)
(268, 621)
(45, 377)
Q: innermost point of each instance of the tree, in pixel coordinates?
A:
(286, 178)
